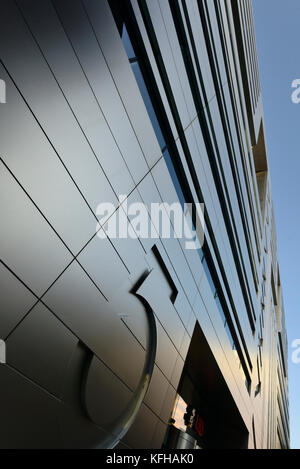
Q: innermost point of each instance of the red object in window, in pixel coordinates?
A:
(199, 426)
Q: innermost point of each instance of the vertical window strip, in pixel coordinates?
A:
(232, 157)
(210, 278)
(242, 153)
(155, 46)
(237, 255)
(185, 49)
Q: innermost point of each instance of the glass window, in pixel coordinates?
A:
(145, 95)
(142, 86)
(220, 309)
(209, 277)
(174, 177)
(229, 335)
(127, 43)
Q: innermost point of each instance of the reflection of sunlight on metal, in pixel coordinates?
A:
(2, 92)
(123, 423)
(2, 352)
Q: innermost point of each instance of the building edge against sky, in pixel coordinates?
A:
(159, 100)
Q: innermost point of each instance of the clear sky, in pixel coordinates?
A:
(278, 39)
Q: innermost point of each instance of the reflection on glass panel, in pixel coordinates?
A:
(178, 414)
(127, 43)
(145, 95)
(209, 277)
(174, 177)
(229, 335)
(220, 309)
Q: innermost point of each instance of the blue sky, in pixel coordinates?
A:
(278, 38)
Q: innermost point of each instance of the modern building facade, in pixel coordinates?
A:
(136, 342)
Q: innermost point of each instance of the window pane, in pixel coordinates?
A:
(174, 177)
(127, 44)
(229, 335)
(209, 277)
(220, 309)
(145, 95)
